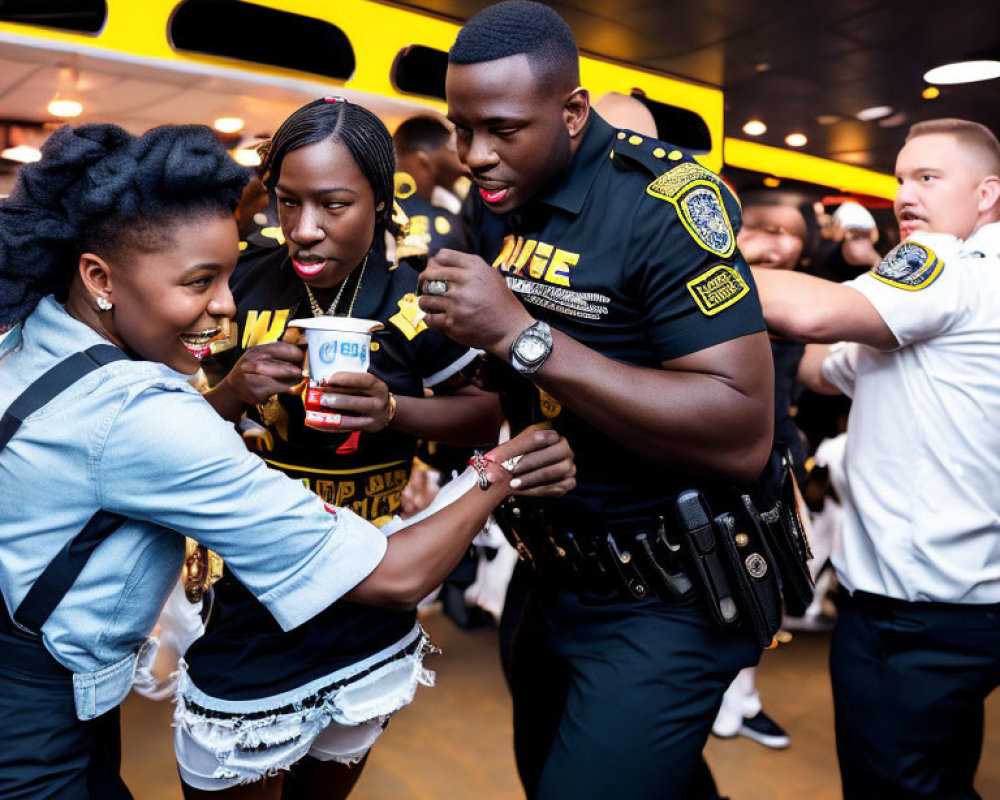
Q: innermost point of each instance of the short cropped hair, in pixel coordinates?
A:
(520, 27)
(970, 134)
(420, 133)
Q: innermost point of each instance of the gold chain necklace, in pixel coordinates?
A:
(317, 309)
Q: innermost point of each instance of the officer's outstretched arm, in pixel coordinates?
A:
(810, 309)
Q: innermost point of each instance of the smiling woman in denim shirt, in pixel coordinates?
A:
(121, 247)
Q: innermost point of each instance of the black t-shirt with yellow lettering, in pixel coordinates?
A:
(631, 251)
(244, 653)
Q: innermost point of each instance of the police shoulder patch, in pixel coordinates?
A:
(696, 193)
(910, 266)
(717, 289)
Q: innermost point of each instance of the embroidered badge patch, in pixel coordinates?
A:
(909, 266)
(717, 289)
(695, 192)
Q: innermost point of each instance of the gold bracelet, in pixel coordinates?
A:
(392, 408)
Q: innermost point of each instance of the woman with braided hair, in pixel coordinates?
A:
(115, 255)
(330, 166)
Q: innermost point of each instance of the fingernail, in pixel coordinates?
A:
(515, 483)
(328, 400)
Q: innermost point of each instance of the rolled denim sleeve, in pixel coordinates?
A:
(169, 459)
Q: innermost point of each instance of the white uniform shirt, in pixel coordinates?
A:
(922, 515)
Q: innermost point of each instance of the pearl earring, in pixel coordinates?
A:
(104, 304)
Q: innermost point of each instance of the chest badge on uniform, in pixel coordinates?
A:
(909, 266)
(694, 192)
(551, 407)
(409, 319)
(717, 289)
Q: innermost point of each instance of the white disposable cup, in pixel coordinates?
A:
(337, 344)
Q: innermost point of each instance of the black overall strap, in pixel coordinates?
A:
(52, 585)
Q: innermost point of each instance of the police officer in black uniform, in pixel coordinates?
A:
(427, 163)
(609, 293)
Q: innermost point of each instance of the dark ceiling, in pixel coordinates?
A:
(805, 65)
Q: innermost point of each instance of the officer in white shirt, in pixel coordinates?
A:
(917, 645)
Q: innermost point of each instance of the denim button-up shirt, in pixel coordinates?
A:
(135, 439)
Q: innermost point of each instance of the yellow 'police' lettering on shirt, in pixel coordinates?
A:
(380, 494)
(261, 329)
(540, 260)
(717, 288)
(409, 319)
(910, 266)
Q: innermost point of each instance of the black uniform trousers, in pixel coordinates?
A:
(909, 682)
(614, 698)
(46, 753)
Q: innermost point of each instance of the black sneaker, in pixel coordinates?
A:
(761, 728)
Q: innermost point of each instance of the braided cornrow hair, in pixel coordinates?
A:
(99, 189)
(358, 129)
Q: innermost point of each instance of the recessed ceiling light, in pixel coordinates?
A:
(930, 93)
(22, 153)
(875, 112)
(828, 119)
(65, 108)
(228, 124)
(763, 66)
(964, 72)
(248, 157)
(772, 183)
(796, 140)
(754, 128)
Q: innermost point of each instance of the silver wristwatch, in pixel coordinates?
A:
(531, 348)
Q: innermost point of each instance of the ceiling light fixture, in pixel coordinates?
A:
(828, 119)
(873, 113)
(772, 183)
(247, 157)
(964, 72)
(228, 124)
(796, 140)
(754, 128)
(63, 105)
(931, 93)
(65, 109)
(23, 153)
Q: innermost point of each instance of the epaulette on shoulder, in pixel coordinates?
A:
(704, 203)
(673, 167)
(651, 154)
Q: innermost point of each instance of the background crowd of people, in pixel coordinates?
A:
(609, 395)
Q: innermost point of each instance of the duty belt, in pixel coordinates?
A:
(638, 558)
(738, 560)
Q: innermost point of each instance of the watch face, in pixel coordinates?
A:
(531, 348)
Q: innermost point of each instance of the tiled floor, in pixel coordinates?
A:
(453, 743)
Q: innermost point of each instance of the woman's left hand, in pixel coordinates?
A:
(362, 401)
(546, 467)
